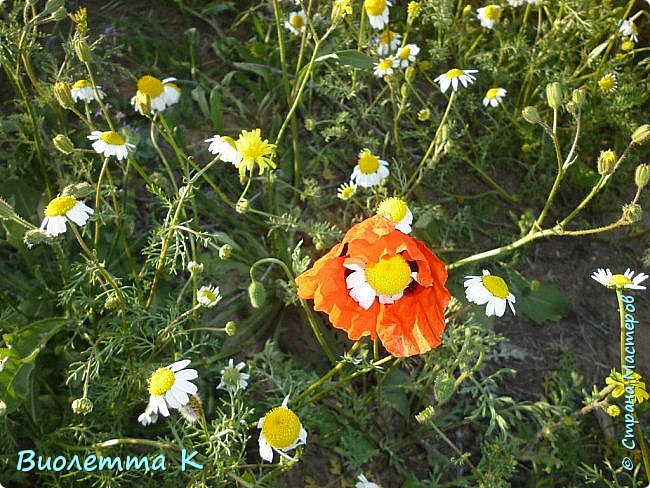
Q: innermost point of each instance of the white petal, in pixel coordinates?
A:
(266, 452)
(178, 365)
(187, 374)
(499, 306)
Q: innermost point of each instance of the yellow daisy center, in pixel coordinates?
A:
(492, 12)
(393, 208)
(389, 276)
(496, 286)
(150, 85)
(492, 93)
(368, 162)
(385, 64)
(627, 46)
(454, 73)
(281, 427)
(374, 7)
(607, 82)
(60, 206)
(209, 295)
(347, 192)
(82, 84)
(621, 281)
(385, 37)
(112, 138)
(161, 381)
(296, 21)
(404, 52)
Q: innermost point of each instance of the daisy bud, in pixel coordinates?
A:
(531, 115)
(424, 114)
(82, 406)
(309, 124)
(37, 236)
(572, 108)
(534, 285)
(63, 143)
(231, 328)
(613, 411)
(554, 95)
(631, 213)
(444, 386)
(78, 190)
(641, 175)
(641, 134)
(242, 206)
(256, 294)
(413, 10)
(525, 148)
(606, 162)
(225, 251)
(82, 49)
(63, 95)
(409, 73)
(579, 97)
(195, 268)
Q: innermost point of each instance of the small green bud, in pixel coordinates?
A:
(409, 74)
(579, 97)
(63, 95)
(63, 143)
(641, 134)
(531, 115)
(78, 190)
(534, 285)
(111, 302)
(225, 251)
(424, 114)
(231, 328)
(412, 11)
(195, 268)
(37, 236)
(81, 48)
(554, 95)
(572, 108)
(242, 206)
(641, 175)
(82, 406)
(256, 294)
(309, 124)
(606, 161)
(632, 213)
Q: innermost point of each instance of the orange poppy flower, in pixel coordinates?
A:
(380, 282)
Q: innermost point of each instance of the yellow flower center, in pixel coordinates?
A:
(385, 64)
(281, 427)
(393, 208)
(253, 149)
(454, 73)
(374, 7)
(112, 138)
(404, 52)
(150, 85)
(161, 381)
(368, 162)
(495, 285)
(347, 192)
(607, 83)
(386, 36)
(492, 93)
(389, 276)
(627, 46)
(492, 12)
(82, 84)
(296, 21)
(621, 281)
(60, 206)
(209, 295)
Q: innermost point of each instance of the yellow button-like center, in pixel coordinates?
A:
(368, 162)
(150, 85)
(60, 206)
(112, 138)
(385, 37)
(281, 427)
(209, 295)
(389, 276)
(621, 281)
(385, 64)
(393, 208)
(296, 21)
(374, 7)
(492, 93)
(454, 73)
(492, 12)
(496, 286)
(404, 52)
(607, 82)
(161, 381)
(82, 84)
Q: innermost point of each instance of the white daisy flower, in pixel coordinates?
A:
(346, 191)
(384, 67)
(148, 417)
(109, 143)
(280, 431)
(370, 170)
(364, 483)
(377, 11)
(626, 280)
(224, 146)
(385, 280)
(489, 16)
(608, 83)
(232, 379)
(406, 55)
(62, 208)
(161, 94)
(386, 42)
(297, 22)
(494, 97)
(83, 90)
(629, 29)
(208, 296)
(516, 3)
(170, 386)
(396, 210)
(489, 289)
(453, 76)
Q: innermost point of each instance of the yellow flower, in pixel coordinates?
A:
(340, 9)
(619, 382)
(254, 150)
(608, 83)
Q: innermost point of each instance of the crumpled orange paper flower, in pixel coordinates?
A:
(380, 282)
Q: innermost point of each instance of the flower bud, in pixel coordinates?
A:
(641, 175)
(81, 48)
(242, 206)
(195, 268)
(573, 108)
(111, 302)
(554, 95)
(613, 411)
(632, 213)
(579, 97)
(641, 134)
(82, 406)
(534, 285)
(606, 162)
(231, 328)
(78, 190)
(63, 95)
(309, 124)
(225, 251)
(256, 294)
(409, 74)
(412, 11)
(531, 115)
(424, 114)
(37, 236)
(63, 143)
